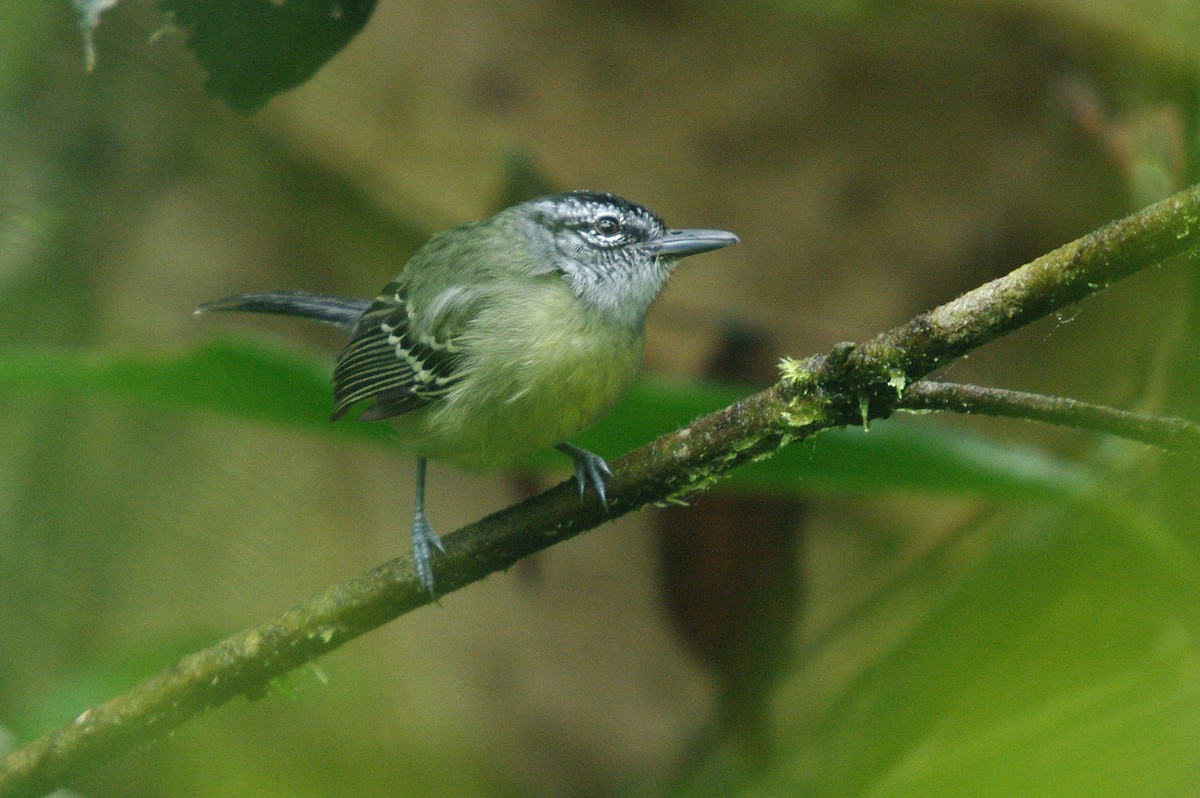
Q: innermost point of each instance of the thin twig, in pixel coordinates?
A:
(845, 386)
(1167, 433)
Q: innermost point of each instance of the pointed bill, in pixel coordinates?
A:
(681, 243)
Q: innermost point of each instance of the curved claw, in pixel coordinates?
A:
(590, 469)
(424, 542)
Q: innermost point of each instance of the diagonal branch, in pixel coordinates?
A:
(845, 386)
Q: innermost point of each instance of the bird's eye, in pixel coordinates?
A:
(608, 225)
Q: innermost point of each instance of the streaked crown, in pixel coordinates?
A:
(591, 219)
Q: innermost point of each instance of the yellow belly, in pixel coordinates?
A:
(554, 372)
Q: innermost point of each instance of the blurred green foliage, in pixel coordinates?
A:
(158, 488)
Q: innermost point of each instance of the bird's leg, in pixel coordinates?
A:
(590, 469)
(424, 539)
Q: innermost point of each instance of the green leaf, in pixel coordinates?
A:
(253, 51)
(237, 379)
(1064, 664)
(255, 382)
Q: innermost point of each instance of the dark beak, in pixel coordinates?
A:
(681, 243)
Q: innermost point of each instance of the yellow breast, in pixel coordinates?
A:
(554, 371)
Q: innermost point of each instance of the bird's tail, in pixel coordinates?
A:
(336, 310)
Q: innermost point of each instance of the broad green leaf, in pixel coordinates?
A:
(1066, 664)
(240, 380)
(253, 51)
(260, 383)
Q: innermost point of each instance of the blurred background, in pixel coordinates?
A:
(911, 636)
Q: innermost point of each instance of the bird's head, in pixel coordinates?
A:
(615, 254)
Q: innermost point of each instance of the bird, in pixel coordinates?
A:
(501, 337)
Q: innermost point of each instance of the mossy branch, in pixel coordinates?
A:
(848, 385)
(1165, 433)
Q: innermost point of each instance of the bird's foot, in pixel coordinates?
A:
(590, 469)
(424, 542)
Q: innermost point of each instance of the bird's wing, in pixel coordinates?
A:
(402, 365)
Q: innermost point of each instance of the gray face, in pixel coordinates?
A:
(594, 227)
(614, 254)
(603, 247)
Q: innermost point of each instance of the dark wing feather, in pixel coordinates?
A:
(386, 361)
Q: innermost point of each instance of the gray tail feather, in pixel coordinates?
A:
(336, 310)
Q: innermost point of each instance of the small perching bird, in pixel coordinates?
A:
(503, 336)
